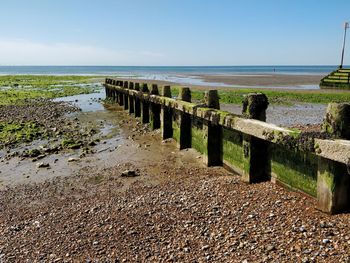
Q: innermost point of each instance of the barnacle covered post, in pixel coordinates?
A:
(333, 178)
(185, 121)
(137, 101)
(126, 95)
(155, 109)
(131, 99)
(257, 165)
(144, 105)
(212, 131)
(166, 115)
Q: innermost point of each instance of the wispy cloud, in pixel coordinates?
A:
(26, 52)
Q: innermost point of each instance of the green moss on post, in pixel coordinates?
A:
(337, 120)
(145, 105)
(166, 116)
(155, 110)
(294, 169)
(257, 164)
(333, 186)
(185, 121)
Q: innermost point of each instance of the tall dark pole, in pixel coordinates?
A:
(346, 26)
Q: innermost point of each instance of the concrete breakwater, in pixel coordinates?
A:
(245, 143)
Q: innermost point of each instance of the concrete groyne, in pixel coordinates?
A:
(245, 143)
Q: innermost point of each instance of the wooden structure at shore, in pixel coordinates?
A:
(245, 143)
(338, 79)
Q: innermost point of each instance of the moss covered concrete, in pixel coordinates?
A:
(295, 169)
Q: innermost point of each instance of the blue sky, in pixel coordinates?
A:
(172, 32)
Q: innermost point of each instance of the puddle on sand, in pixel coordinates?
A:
(146, 152)
(93, 114)
(87, 102)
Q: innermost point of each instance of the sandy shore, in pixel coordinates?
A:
(263, 79)
(175, 210)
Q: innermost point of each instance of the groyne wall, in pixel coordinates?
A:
(245, 143)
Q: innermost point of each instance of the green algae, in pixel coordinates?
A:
(295, 169)
(199, 138)
(232, 148)
(17, 89)
(13, 133)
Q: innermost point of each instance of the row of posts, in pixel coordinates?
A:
(161, 116)
(333, 179)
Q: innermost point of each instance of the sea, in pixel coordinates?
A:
(184, 75)
(147, 70)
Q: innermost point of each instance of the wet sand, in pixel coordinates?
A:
(264, 79)
(273, 81)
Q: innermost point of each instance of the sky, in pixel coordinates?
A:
(173, 32)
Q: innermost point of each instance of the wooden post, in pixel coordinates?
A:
(126, 95)
(137, 102)
(257, 164)
(333, 186)
(337, 120)
(213, 132)
(145, 105)
(166, 116)
(113, 94)
(333, 178)
(121, 94)
(155, 110)
(131, 99)
(185, 121)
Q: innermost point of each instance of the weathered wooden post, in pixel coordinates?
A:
(333, 186)
(166, 116)
(131, 99)
(257, 164)
(155, 109)
(333, 178)
(126, 95)
(337, 120)
(144, 105)
(185, 121)
(121, 94)
(212, 132)
(137, 102)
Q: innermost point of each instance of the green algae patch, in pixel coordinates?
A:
(70, 143)
(13, 133)
(18, 89)
(199, 139)
(233, 149)
(295, 169)
(176, 131)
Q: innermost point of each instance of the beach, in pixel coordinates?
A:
(263, 79)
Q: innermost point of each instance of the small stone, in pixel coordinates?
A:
(42, 165)
(270, 248)
(129, 173)
(73, 159)
(325, 241)
(205, 247)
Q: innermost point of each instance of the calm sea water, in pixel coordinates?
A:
(144, 71)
